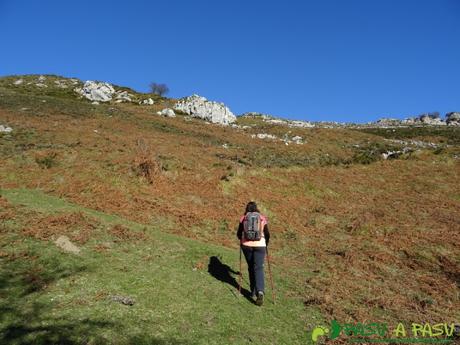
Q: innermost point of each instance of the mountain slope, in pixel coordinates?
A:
(355, 236)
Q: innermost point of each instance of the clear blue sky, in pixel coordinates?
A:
(343, 60)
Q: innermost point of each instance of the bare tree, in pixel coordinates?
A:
(159, 89)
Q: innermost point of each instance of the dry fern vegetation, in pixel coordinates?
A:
(355, 237)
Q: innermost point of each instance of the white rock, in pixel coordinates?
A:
(396, 154)
(200, 107)
(298, 139)
(95, 102)
(263, 136)
(5, 129)
(430, 120)
(388, 122)
(18, 82)
(41, 85)
(168, 112)
(410, 121)
(301, 124)
(123, 96)
(61, 84)
(65, 244)
(95, 91)
(277, 121)
(453, 119)
(148, 101)
(41, 79)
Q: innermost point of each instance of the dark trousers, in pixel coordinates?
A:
(255, 257)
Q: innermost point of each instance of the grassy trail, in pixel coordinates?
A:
(185, 291)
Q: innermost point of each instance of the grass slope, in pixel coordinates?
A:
(49, 296)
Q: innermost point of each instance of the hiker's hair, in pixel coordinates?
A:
(251, 207)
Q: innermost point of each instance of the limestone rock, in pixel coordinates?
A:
(96, 91)
(148, 101)
(167, 112)
(122, 96)
(410, 121)
(263, 136)
(5, 129)
(126, 300)
(453, 119)
(200, 107)
(297, 139)
(62, 84)
(64, 243)
(278, 121)
(388, 122)
(431, 120)
(18, 82)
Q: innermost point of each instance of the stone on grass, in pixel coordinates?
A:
(65, 244)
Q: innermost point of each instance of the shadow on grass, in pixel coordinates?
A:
(223, 272)
(26, 319)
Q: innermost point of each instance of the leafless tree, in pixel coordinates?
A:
(159, 89)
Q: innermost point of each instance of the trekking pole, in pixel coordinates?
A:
(270, 274)
(241, 274)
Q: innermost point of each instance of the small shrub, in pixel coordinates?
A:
(372, 152)
(47, 161)
(146, 163)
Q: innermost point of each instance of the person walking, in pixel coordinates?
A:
(254, 237)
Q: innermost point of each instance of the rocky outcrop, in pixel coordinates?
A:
(396, 153)
(388, 122)
(167, 112)
(200, 107)
(5, 129)
(431, 120)
(96, 91)
(122, 96)
(453, 119)
(62, 83)
(414, 143)
(263, 136)
(147, 101)
(297, 139)
(278, 121)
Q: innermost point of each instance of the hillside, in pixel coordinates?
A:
(153, 202)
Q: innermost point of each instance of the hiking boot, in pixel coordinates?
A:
(260, 298)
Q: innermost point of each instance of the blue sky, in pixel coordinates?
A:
(353, 60)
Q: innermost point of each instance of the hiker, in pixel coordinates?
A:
(254, 237)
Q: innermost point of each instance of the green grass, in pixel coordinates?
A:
(49, 296)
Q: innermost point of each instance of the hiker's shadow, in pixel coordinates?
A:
(223, 272)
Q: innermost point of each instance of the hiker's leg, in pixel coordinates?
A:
(249, 255)
(259, 258)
